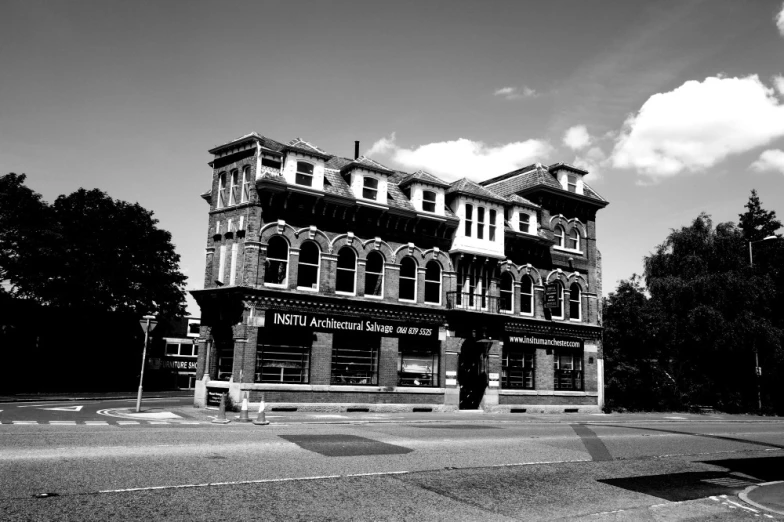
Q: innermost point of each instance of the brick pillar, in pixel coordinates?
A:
(420, 288)
(250, 267)
(293, 268)
(490, 399)
(360, 290)
(329, 265)
(249, 358)
(321, 358)
(391, 282)
(451, 355)
(387, 362)
(539, 302)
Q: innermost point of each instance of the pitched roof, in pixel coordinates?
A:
(265, 142)
(335, 184)
(368, 164)
(298, 144)
(424, 177)
(468, 187)
(514, 198)
(523, 179)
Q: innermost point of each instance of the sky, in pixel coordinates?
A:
(674, 107)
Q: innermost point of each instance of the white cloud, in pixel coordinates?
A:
(382, 146)
(513, 93)
(459, 158)
(697, 125)
(778, 81)
(592, 160)
(772, 159)
(577, 137)
(780, 20)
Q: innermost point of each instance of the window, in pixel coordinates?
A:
(374, 275)
(433, 283)
(276, 265)
(571, 182)
(355, 359)
(284, 358)
(270, 162)
(517, 369)
(225, 352)
(185, 349)
(418, 365)
(370, 188)
(559, 236)
(193, 328)
(428, 201)
(558, 313)
(507, 293)
(492, 225)
(246, 183)
(573, 241)
(347, 271)
(234, 196)
(480, 222)
(574, 302)
(568, 371)
(408, 277)
(527, 296)
(304, 174)
(223, 190)
(469, 216)
(524, 222)
(308, 268)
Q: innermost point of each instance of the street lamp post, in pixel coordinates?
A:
(148, 323)
(757, 369)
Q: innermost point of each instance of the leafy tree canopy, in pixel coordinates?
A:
(88, 251)
(757, 223)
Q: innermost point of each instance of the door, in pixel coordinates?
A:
(472, 374)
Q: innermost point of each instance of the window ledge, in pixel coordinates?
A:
(569, 250)
(268, 386)
(275, 285)
(378, 297)
(556, 393)
(352, 294)
(407, 300)
(307, 289)
(524, 314)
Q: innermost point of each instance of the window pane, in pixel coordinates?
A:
(305, 168)
(186, 349)
(355, 359)
(346, 258)
(371, 183)
(172, 349)
(307, 276)
(428, 201)
(418, 367)
(275, 272)
(524, 222)
(284, 359)
(277, 248)
(309, 253)
(277, 261)
(517, 369)
(408, 268)
(407, 289)
(302, 179)
(374, 274)
(526, 295)
(225, 361)
(344, 280)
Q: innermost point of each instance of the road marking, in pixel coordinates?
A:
(65, 408)
(63, 423)
(127, 423)
(24, 422)
(96, 423)
(157, 422)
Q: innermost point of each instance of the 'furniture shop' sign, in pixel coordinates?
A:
(548, 341)
(329, 323)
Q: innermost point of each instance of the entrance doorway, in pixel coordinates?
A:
(472, 374)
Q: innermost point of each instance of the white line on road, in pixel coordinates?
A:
(24, 422)
(127, 423)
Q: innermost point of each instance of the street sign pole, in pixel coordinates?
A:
(148, 322)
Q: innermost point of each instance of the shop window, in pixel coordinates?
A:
(355, 359)
(418, 365)
(408, 277)
(246, 184)
(527, 296)
(374, 275)
(574, 302)
(559, 236)
(428, 201)
(433, 283)
(469, 216)
(225, 361)
(568, 371)
(492, 225)
(186, 349)
(308, 267)
(517, 369)
(507, 293)
(234, 196)
(345, 279)
(304, 174)
(223, 190)
(573, 241)
(172, 348)
(480, 222)
(284, 358)
(558, 313)
(524, 222)
(276, 265)
(370, 188)
(571, 182)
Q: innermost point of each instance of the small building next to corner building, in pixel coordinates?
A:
(334, 283)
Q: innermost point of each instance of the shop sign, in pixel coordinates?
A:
(214, 396)
(328, 323)
(173, 363)
(551, 296)
(545, 341)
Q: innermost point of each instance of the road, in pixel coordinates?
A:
(372, 467)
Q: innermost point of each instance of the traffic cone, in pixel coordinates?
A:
(261, 420)
(244, 411)
(221, 418)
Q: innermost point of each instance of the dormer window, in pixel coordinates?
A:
(571, 183)
(370, 188)
(428, 201)
(524, 222)
(304, 174)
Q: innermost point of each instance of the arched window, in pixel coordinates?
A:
(308, 268)
(527, 296)
(347, 271)
(559, 236)
(573, 241)
(304, 174)
(374, 275)
(574, 302)
(277, 263)
(558, 313)
(223, 190)
(469, 216)
(507, 293)
(408, 277)
(433, 283)
(234, 196)
(246, 184)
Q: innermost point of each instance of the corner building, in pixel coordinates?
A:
(334, 284)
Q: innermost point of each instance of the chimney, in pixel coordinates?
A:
(356, 149)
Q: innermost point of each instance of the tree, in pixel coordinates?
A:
(757, 223)
(91, 252)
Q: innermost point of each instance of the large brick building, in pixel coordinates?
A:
(335, 283)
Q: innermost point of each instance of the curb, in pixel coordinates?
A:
(744, 496)
(102, 398)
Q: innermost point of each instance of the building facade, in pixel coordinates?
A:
(336, 284)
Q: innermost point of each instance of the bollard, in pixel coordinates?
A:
(244, 410)
(221, 418)
(261, 420)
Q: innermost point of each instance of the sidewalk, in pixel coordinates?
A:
(87, 396)
(769, 496)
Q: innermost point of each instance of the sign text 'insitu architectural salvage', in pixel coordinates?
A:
(349, 324)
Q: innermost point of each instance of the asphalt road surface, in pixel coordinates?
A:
(457, 468)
